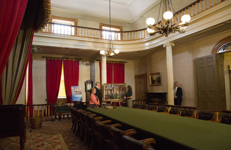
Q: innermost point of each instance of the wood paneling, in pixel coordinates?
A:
(141, 86)
(206, 74)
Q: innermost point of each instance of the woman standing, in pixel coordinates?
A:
(93, 98)
(128, 95)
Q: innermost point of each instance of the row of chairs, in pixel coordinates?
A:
(101, 134)
(188, 112)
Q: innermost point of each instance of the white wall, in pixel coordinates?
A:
(130, 76)
(153, 11)
(183, 65)
(89, 21)
(39, 77)
(39, 80)
(84, 75)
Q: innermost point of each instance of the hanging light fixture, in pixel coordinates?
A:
(110, 50)
(166, 26)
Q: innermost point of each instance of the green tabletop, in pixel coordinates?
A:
(190, 132)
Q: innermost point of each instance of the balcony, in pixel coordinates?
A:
(206, 14)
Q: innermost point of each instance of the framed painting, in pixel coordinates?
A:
(155, 79)
(113, 92)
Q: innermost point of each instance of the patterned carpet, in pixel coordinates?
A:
(54, 130)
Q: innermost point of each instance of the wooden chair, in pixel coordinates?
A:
(74, 120)
(143, 106)
(102, 136)
(116, 136)
(162, 109)
(186, 112)
(94, 129)
(205, 115)
(174, 110)
(134, 144)
(136, 106)
(88, 127)
(62, 111)
(226, 118)
(152, 107)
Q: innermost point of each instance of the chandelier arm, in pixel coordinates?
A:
(166, 25)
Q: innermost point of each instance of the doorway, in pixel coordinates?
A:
(141, 86)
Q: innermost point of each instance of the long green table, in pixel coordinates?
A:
(183, 131)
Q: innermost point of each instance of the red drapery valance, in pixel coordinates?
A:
(71, 76)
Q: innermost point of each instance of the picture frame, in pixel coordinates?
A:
(155, 79)
(114, 92)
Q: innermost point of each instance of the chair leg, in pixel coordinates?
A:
(74, 128)
(82, 135)
(22, 142)
(87, 138)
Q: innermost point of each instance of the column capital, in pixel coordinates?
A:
(103, 56)
(168, 44)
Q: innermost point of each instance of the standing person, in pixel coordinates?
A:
(128, 95)
(98, 93)
(177, 94)
(93, 98)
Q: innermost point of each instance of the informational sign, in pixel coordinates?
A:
(76, 93)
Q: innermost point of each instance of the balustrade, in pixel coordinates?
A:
(193, 9)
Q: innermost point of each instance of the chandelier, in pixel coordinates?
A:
(110, 50)
(166, 25)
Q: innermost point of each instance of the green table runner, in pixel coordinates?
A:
(193, 133)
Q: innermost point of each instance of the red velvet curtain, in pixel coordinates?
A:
(11, 15)
(109, 72)
(119, 73)
(30, 84)
(53, 75)
(29, 56)
(71, 76)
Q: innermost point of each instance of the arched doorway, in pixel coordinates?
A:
(213, 93)
(222, 50)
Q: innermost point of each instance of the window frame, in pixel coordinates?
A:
(101, 25)
(64, 19)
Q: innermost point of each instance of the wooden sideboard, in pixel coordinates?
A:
(156, 97)
(13, 122)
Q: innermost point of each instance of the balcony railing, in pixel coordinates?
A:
(193, 9)
(45, 111)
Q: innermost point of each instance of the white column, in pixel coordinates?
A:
(169, 63)
(104, 69)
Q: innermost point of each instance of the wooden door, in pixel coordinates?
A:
(206, 77)
(141, 86)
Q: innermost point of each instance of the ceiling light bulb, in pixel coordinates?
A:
(150, 30)
(112, 54)
(150, 21)
(182, 27)
(185, 18)
(102, 52)
(117, 51)
(168, 15)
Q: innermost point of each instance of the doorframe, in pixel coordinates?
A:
(145, 78)
(219, 44)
